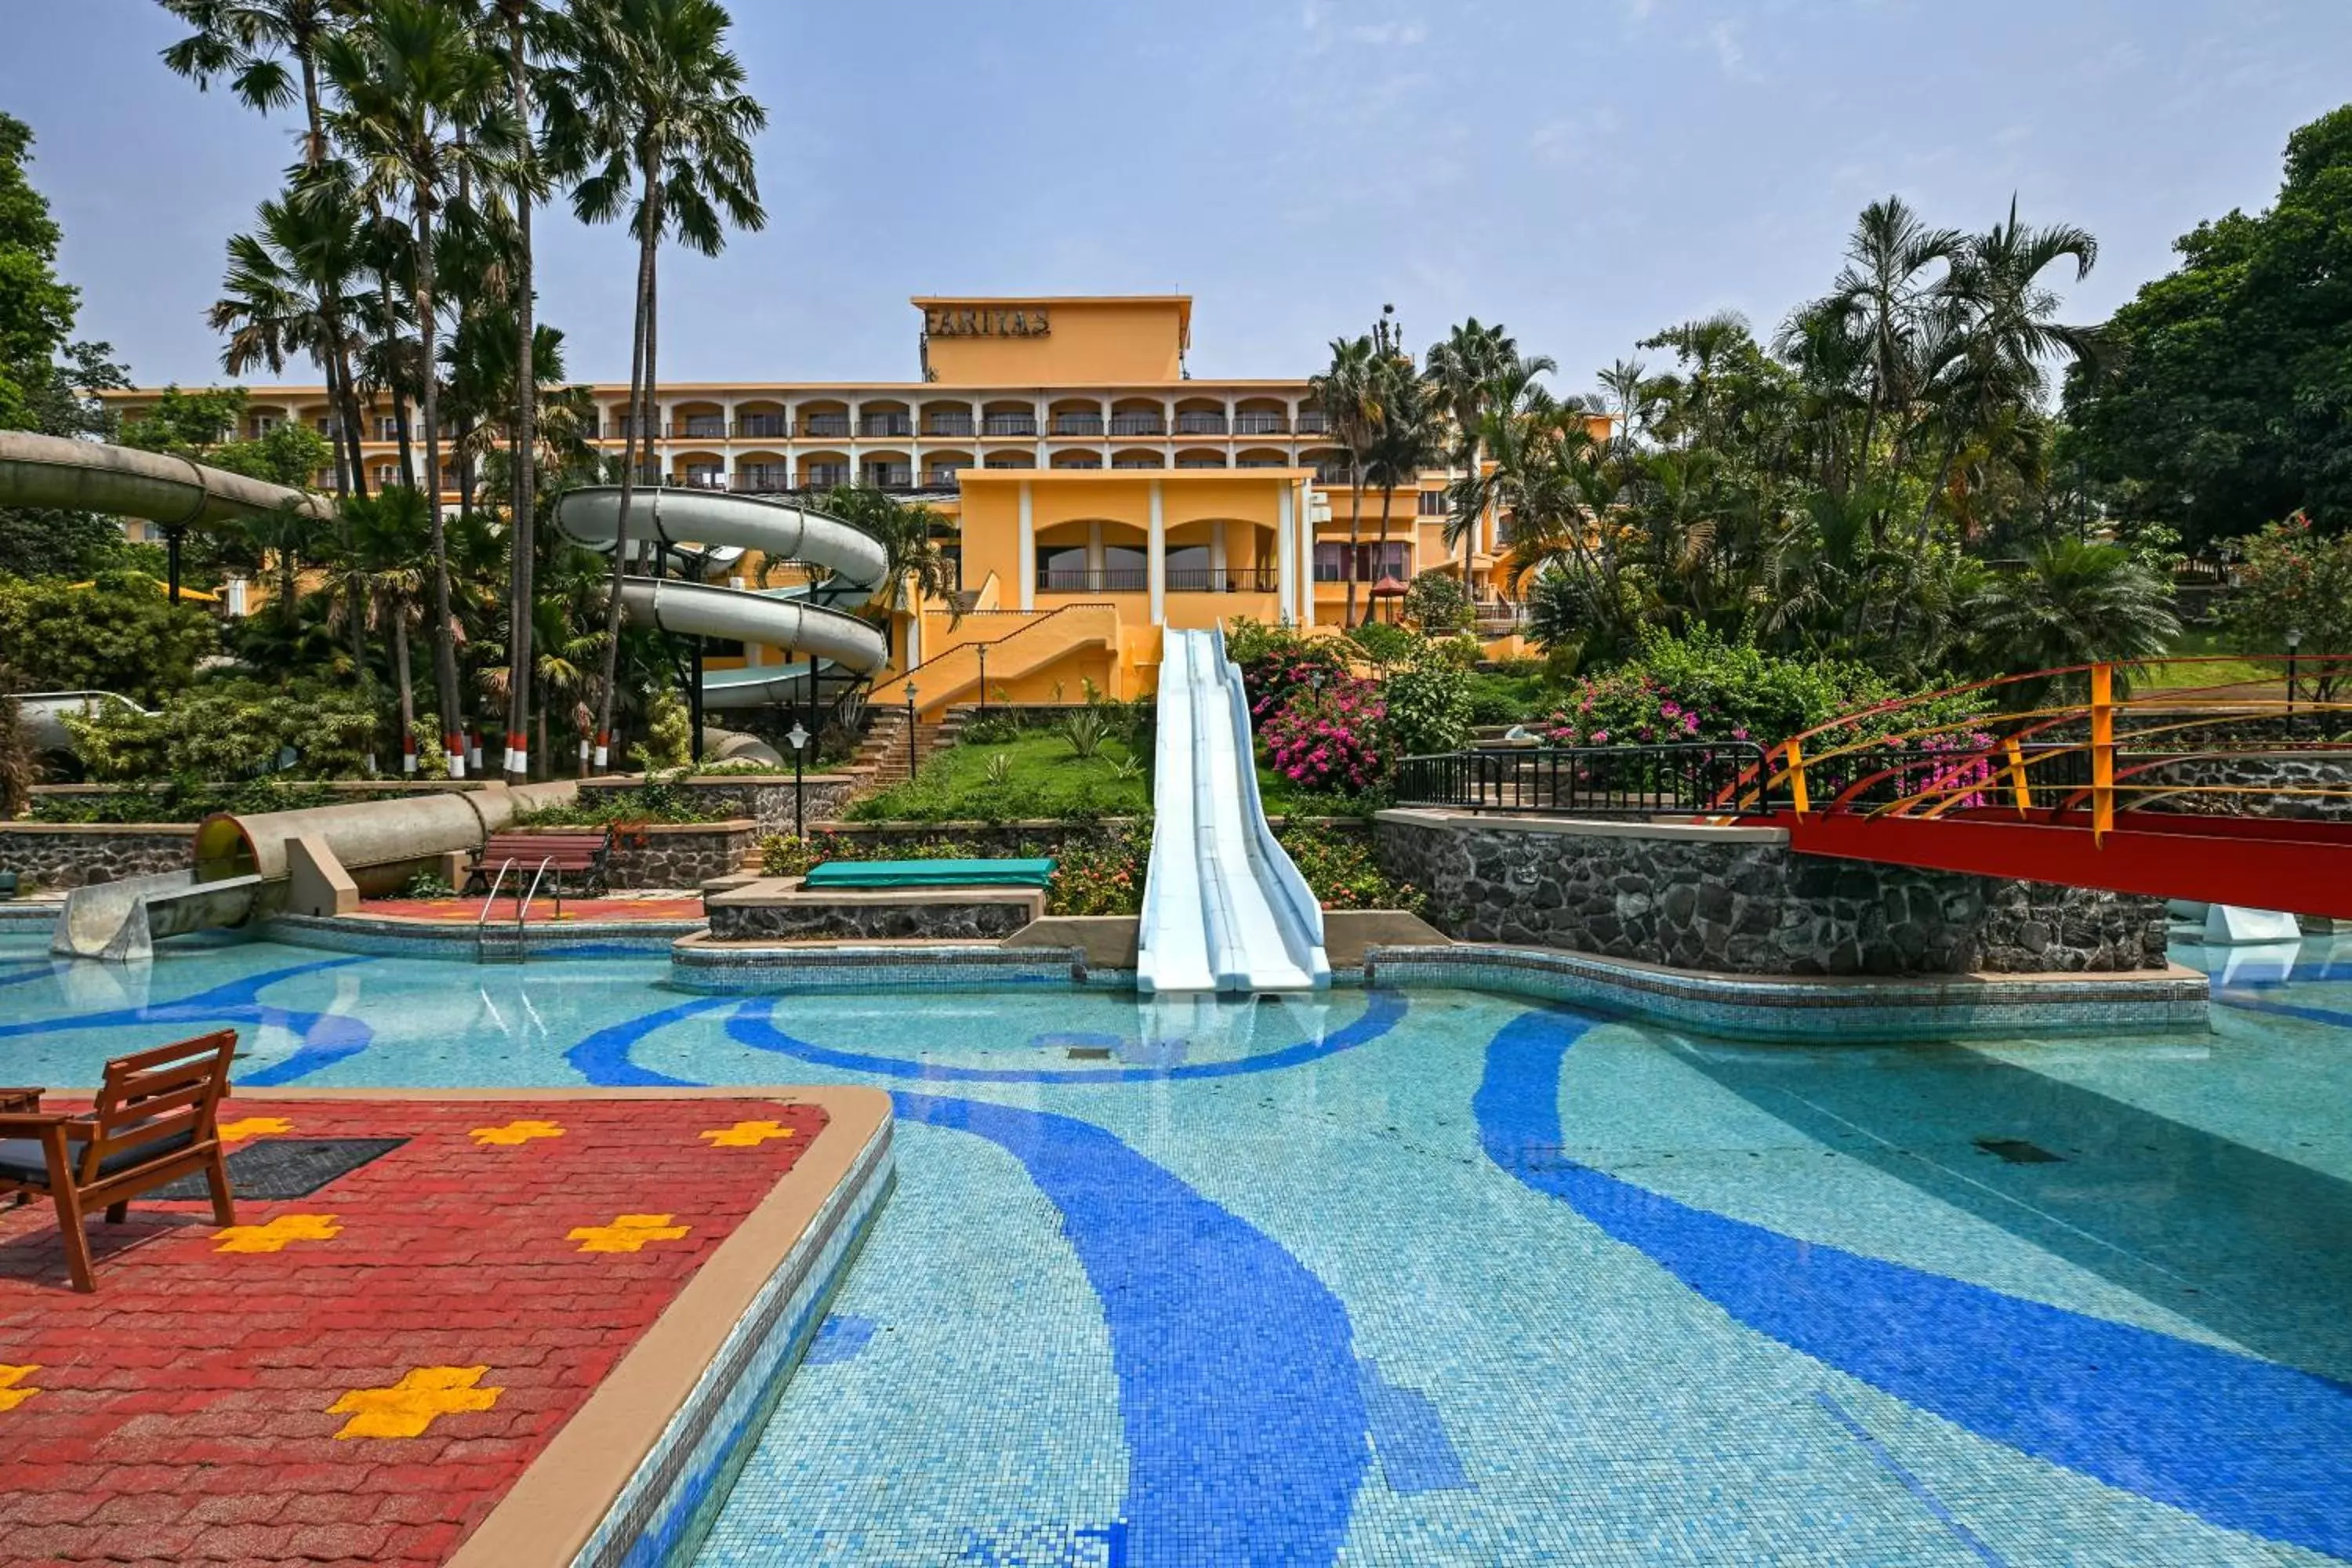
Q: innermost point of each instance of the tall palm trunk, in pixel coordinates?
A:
(1477, 521)
(445, 649)
(331, 363)
(407, 688)
(1355, 534)
(638, 428)
(1388, 500)
(400, 422)
(523, 454)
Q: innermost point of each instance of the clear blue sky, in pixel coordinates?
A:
(1586, 173)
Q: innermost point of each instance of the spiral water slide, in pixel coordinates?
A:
(805, 619)
(171, 493)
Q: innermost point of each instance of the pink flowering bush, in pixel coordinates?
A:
(1330, 738)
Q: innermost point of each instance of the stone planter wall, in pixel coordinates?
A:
(969, 919)
(2259, 776)
(674, 855)
(1002, 839)
(58, 855)
(1737, 901)
(765, 798)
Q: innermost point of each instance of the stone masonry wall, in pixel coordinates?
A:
(976, 921)
(73, 854)
(765, 798)
(1742, 903)
(681, 855)
(2257, 777)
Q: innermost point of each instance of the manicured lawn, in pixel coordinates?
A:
(2195, 642)
(1040, 776)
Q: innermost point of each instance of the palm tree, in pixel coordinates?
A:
(1348, 392)
(390, 543)
(1885, 302)
(244, 40)
(2073, 603)
(911, 535)
(289, 289)
(419, 105)
(522, 17)
(283, 534)
(1407, 438)
(2003, 333)
(646, 113)
(1468, 372)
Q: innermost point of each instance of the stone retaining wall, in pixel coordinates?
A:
(674, 855)
(765, 798)
(57, 854)
(2257, 777)
(1736, 901)
(974, 919)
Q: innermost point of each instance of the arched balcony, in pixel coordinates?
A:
(938, 469)
(1138, 458)
(1200, 417)
(1081, 416)
(1200, 457)
(762, 420)
(1261, 416)
(824, 419)
(698, 470)
(1005, 417)
(822, 470)
(952, 420)
(886, 470)
(1077, 459)
(699, 421)
(885, 419)
(1221, 555)
(1096, 555)
(1262, 457)
(1138, 417)
(761, 474)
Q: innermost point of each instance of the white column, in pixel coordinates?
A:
(1155, 554)
(1025, 544)
(1286, 550)
(1216, 551)
(915, 637)
(1094, 552)
(1045, 423)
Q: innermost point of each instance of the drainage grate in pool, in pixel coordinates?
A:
(1090, 1053)
(287, 1167)
(2018, 1151)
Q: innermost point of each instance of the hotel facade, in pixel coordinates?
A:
(1094, 491)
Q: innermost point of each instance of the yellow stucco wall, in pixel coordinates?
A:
(973, 341)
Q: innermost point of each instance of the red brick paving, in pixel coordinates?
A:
(542, 909)
(182, 1411)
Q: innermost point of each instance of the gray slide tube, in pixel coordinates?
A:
(701, 609)
(89, 476)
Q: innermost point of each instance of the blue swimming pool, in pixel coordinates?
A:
(1444, 1278)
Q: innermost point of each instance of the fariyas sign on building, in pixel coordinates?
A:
(987, 322)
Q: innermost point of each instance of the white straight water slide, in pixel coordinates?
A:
(1224, 909)
(792, 618)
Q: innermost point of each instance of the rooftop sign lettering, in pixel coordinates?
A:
(987, 321)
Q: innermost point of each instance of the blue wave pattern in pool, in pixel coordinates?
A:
(2245, 1443)
(1087, 1244)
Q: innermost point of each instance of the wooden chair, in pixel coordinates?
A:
(587, 855)
(156, 1119)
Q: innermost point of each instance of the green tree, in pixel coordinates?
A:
(1436, 604)
(2296, 579)
(37, 309)
(646, 115)
(911, 535)
(250, 41)
(2071, 603)
(2228, 402)
(1406, 439)
(117, 634)
(422, 104)
(1348, 392)
(1472, 372)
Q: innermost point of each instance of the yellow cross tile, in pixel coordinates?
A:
(515, 1132)
(13, 1391)
(275, 1236)
(628, 1233)
(746, 1134)
(245, 1127)
(415, 1403)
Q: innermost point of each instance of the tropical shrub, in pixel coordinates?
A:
(659, 800)
(2294, 579)
(669, 734)
(1329, 738)
(121, 634)
(1429, 706)
(1278, 660)
(1701, 687)
(1340, 868)
(1435, 602)
(1385, 644)
(187, 800)
(1100, 875)
(228, 730)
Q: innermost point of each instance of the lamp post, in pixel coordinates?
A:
(799, 738)
(2293, 642)
(982, 650)
(911, 730)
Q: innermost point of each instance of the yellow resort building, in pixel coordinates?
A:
(1094, 491)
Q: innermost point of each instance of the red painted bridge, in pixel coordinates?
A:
(2237, 794)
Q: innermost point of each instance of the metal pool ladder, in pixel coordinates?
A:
(501, 944)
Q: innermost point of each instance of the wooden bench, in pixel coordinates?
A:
(156, 1119)
(586, 855)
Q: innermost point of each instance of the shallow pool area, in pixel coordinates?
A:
(1440, 1277)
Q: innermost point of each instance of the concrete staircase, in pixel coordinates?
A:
(880, 760)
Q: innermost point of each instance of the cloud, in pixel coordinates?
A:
(1315, 17)
(1722, 36)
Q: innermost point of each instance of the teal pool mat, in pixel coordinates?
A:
(1011, 873)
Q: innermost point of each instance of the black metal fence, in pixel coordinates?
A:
(1684, 780)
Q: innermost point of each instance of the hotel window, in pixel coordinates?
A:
(1435, 504)
(1373, 562)
(263, 424)
(387, 428)
(1009, 424)
(705, 475)
(1011, 460)
(706, 426)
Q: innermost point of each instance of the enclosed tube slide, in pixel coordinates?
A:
(1224, 908)
(87, 476)
(792, 618)
(242, 864)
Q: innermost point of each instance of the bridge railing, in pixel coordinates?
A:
(1637, 782)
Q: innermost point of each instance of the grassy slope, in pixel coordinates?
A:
(1044, 780)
